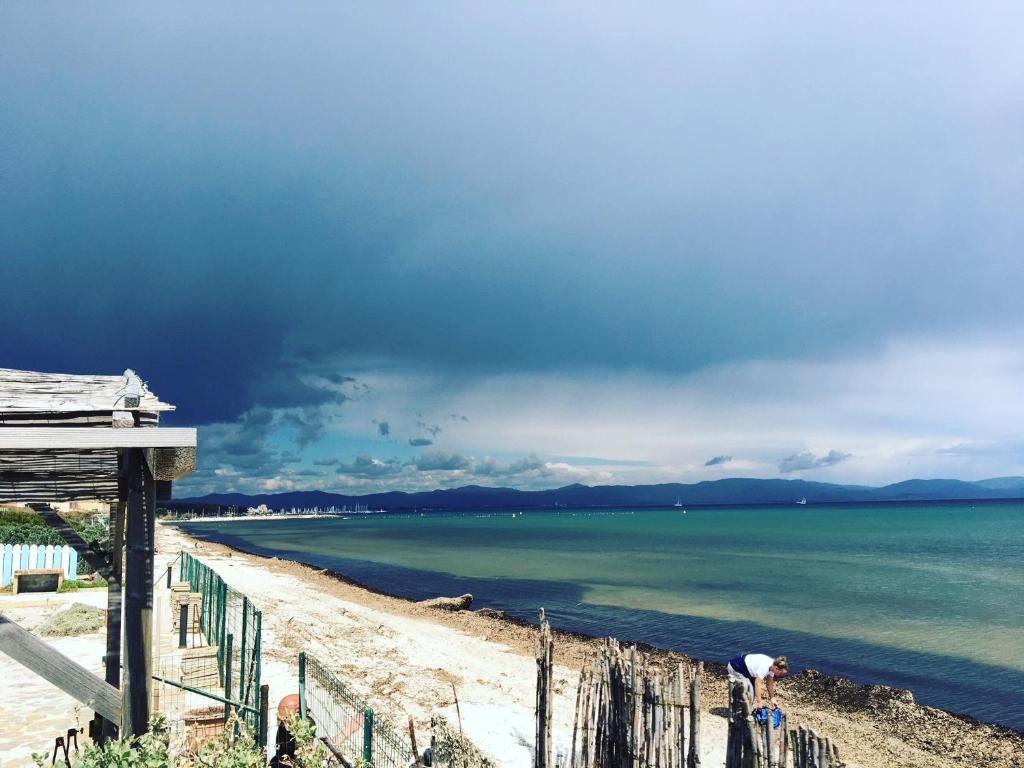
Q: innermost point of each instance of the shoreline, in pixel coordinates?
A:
(911, 734)
(715, 665)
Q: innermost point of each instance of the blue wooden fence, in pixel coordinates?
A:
(19, 557)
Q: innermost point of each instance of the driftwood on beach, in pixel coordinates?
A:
(460, 603)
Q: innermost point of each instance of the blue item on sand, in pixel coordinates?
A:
(761, 716)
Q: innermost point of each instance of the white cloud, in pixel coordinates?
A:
(915, 408)
(897, 410)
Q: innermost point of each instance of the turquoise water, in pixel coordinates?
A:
(926, 597)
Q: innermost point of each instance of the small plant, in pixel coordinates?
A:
(309, 752)
(234, 748)
(72, 585)
(147, 751)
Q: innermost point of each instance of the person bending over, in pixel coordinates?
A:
(758, 672)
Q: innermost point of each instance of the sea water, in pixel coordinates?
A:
(925, 596)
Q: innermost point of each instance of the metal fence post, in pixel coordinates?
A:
(368, 736)
(227, 675)
(223, 608)
(302, 684)
(243, 683)
(257, 645)
(208, 602)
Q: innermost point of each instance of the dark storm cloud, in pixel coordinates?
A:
(798, 462)
(714, 461)
(419, 442)
(490, 187)
(309, 425)
(326, 462)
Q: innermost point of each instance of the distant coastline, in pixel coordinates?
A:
(734, 492)
(285, 515)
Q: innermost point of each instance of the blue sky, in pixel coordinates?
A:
(368, 246)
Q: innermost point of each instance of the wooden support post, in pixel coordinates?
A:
(138, 606)
(112, 658)
(184, 609)
(412, 742)
(264, 724)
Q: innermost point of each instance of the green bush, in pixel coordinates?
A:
(25, 533)
(18, 516)
(73, 585)
(26, 527)
(152, 750)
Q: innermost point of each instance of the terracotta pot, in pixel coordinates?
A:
(202, 725)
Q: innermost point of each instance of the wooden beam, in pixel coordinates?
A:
(14, 438)
(97, 559)
(138, 602)
(72, 678)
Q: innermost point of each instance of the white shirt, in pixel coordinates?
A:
(759, 665)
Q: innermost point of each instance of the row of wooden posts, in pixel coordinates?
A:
(630, 712)
(635, 712)
(757, 743)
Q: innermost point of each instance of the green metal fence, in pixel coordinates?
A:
(228, 620)
(344, 721)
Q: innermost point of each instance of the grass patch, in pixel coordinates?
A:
(71, 585)
(78, 619)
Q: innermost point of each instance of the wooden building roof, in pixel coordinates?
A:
(60, 433)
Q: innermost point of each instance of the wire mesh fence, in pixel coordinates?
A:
(345, 723)
(232, 630)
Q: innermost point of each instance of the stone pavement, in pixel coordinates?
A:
(34, 713)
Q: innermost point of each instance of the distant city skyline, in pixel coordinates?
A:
(369, 248)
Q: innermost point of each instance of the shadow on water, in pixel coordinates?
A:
(987, 692)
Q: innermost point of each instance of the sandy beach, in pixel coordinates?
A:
(406, 658)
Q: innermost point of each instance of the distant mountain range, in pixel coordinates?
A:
(710, 492)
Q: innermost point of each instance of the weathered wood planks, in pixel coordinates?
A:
(72, 678)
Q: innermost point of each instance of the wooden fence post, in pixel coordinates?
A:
(693, 759)
(544, 653)
(264, 718)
